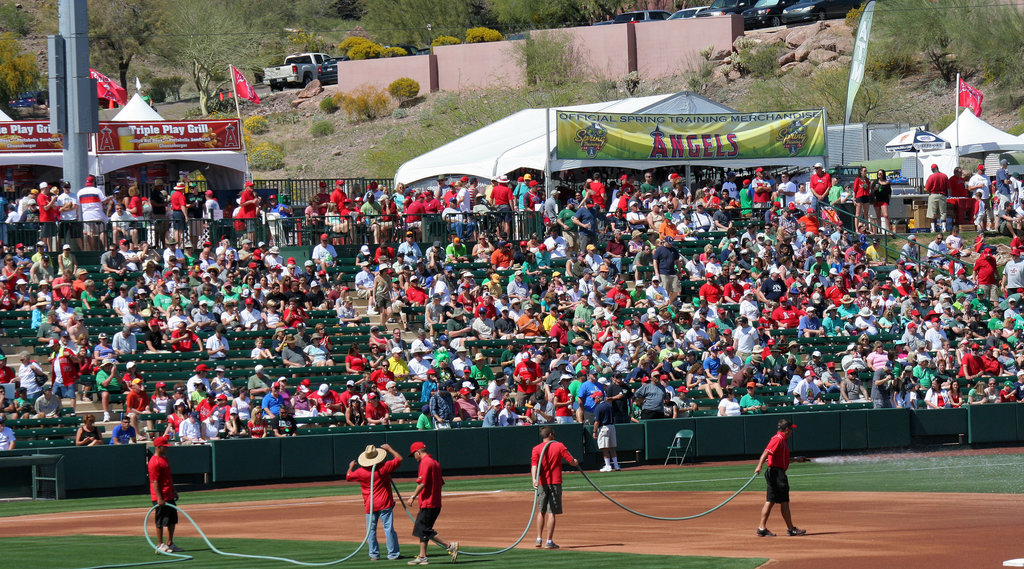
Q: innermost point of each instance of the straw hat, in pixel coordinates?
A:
(372, 456)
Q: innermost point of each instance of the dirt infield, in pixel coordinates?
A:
(845, 529)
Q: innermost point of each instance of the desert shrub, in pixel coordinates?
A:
(15, 19)
(445, 40)
(367, 50)
(328, 105)
(266, 156)
(366, 103)
(399, 113)
(549, 59)
(321, 128)
(404, 88)
(481, 35)
(885, 64)
(307, 41)
(853, 18)
(350, 42)
(257, 124)
(394, 52)
(758, 60)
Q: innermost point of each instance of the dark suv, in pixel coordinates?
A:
(723, 7)
(766, 13)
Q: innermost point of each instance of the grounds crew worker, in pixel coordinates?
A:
(383, 500)
(777, 456)
(428, 489)
(546, 472)
(161, 490)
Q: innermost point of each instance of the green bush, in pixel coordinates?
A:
(368, 50)
(350, 42)
(366, 103)
(257, 124)
(761, 61)
(321, 128)
(1017, 130)
(549, 59)
(889, 64)
(328, 105)
(445, 40)
(853, 18)
(404, 88)
(394, 52)
(481, 35)
(266, 156)
(15, 19)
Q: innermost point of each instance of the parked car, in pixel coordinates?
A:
(28, 99)
(638, 16)
(724, 7)
(300, 69)
(686, 13)
(818, 10)
(766, 13)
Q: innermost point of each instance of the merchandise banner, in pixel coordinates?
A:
(29, 136)
(168, 136)
(723, 136)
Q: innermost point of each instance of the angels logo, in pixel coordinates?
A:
(591, 139)
(793, 136)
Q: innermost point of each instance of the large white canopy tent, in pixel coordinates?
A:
(976, 138)
(527, 140)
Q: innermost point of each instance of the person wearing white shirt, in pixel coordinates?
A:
(748, 306)
(418, 366)
(441, 288)
(935, 336)
(696, 339)
(217, 345)
(787, 189)
(865, 322)
(192, 383)
(173, 255)
(557, 246)
(251, 318)
(189, 430)
(657, 293)
(695, 268)
(7, 437)
(806, 391)
(745, 338)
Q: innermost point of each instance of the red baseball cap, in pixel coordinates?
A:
(935, 166)
(249, 184)
(415, 447)
(324, 236)
(339, 182)
(202, 367)
(162, 441)
(222, 397)
(981, 167)
(464, 179)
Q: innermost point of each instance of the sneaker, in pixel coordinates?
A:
(605, 469)
(765, 533)
(162, 549)
(419, 561)
(106, 417)
(794, 531)
(617, 468)
(453, 550)
(539, 544)
(550, 545)
(174, 548)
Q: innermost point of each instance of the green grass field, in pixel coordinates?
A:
(897, 472)
(90, 551)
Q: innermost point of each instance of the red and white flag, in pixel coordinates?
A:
(243, 88)
(107, 89)
(969, 97)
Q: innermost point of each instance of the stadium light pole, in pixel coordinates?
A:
(74, 108)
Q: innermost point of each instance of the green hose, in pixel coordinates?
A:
(667, 519)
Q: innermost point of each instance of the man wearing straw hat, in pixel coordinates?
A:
(383, 501)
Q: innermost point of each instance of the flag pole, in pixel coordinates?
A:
(241, 124)
(956, 121)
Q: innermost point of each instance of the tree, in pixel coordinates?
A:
(18, 71)
(119, 30)
(203, 38)
(538, 14)
(420, 21)
(926, 27)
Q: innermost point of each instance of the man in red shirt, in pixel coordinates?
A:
(777, 455)
(987, 273)
(338, 196)
(710, 290)
(821, 183)
(383, 502)
(528, 377)
(48, 214)
(161, 491)
(563, 400)
(428, 489)
(179, 211)
(937, 188)
(504, 202)
(785, 315)
(546, 472)
(248, 204)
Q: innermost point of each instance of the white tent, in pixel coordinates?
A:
(526, 139)
(976, 136)
(4, 117)
(137, 111)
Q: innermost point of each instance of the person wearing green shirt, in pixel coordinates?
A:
(423, 423)
(924, 373)
(749, 403)
(161, 300)
(848, 310)
(565, 217)
(584, 312)
(89, 298)
(831, 324)
(455, 250)
(835, 193)
(746, 199)
(648, 187)
(480, 372)
(107, 382)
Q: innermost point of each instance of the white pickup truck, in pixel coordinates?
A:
(300, 69)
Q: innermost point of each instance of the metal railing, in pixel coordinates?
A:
(274, 230)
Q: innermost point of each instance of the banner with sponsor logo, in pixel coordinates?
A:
(168, 136)
(723, 136)
(29, 136)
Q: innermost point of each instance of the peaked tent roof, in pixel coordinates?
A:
(137, 111)
(978, 137)
(520, 140)
(4, 117)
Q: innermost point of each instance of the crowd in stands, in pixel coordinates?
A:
(726, 298)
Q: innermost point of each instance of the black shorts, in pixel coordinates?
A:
(646, 414)
(424, 526)
(778, 485)
(178, 220)
(49, 229)
(551, 498)
(166, 516)
(864, 199)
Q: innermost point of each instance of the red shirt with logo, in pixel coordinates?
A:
(778, 451)
(430, 476)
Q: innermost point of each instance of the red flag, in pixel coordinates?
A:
(243, 88)
(106, 88)
(969, 97)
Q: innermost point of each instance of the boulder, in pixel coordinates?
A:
(296, 102)
(798, 36)
(820, 56)
(844, 44)
(309, 91)
(800, 54)
(720, 55)
(801, 69)
(789, 57)
(844, 60)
